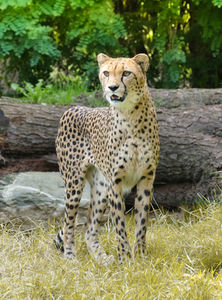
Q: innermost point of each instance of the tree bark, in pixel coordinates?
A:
(31, 128)
(190, 129)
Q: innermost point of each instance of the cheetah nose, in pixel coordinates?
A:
(113, 87)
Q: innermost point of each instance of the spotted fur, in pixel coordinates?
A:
(115, 149)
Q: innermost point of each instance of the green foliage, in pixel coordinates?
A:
(33, 93)
(169, 44)
(12, 3)
(209, 21)
(182, 38)
(36, 34)
(97, 30)
(61, 94)
(159, 26)
(62, 89)
(217, 3)
(205, 44)
(26, 43)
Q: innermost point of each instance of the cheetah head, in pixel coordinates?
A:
(123, 79)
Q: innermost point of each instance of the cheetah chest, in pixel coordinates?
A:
(137, 159)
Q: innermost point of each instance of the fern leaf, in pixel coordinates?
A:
(14, 3)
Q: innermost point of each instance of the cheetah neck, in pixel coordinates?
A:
(134, 115)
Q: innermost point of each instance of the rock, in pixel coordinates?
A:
(36, 196)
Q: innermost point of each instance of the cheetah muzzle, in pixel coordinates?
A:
(115, 149)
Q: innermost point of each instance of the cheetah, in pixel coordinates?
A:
(114, 148)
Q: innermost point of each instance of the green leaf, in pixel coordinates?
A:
(14, 3)
(217, 3)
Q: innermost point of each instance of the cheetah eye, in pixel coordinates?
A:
(126, 73)
(106, 73)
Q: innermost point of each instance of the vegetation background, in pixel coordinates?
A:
(57, 41)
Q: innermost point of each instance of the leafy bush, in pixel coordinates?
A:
(34, 35)
(35, 94)
(182, 38)
(26, 42)
(91, 27)
(154, 27)
(49, 94)
(205, 44)
(63, 89)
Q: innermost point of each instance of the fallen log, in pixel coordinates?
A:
(190, 128)
(31, 128)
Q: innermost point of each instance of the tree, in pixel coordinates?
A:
(159, 26)
(34, 35)
(26, 43)
(85, 29)
(182, 38)
(205, 43)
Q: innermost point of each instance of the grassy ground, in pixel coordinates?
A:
(183, 262)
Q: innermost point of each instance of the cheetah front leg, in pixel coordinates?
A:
(98, 204)
(117, 207)
(142, 203)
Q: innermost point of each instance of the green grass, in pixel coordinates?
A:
(183, 262)
(50, 93)
(60, 93)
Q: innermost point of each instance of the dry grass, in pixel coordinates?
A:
(183, 262)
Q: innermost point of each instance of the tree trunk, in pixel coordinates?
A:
(31, 128)
(190, 129)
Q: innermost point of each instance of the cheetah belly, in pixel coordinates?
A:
(132, 177)
(137, 164)
(134, 169)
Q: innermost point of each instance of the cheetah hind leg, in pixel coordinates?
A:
(98, 204)
(58, 241)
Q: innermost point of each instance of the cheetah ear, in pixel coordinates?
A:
(101, 58)
(142, 60)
